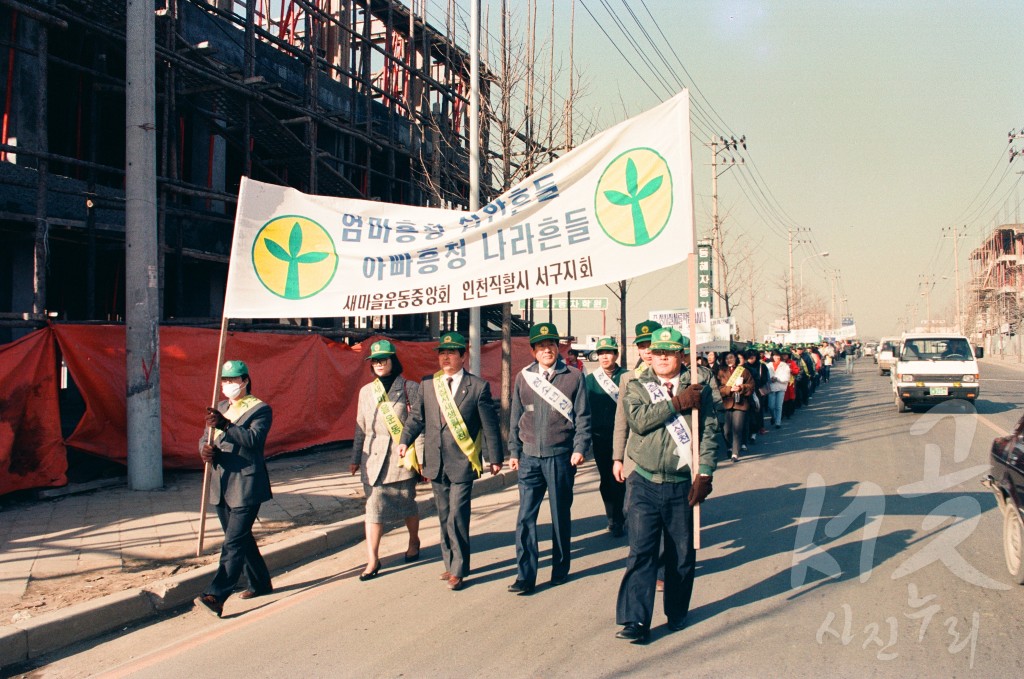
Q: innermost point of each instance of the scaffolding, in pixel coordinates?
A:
(995, 309)
(353, 98)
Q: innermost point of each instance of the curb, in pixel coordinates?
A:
(49, 632)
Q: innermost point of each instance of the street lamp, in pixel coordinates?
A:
(816, 254)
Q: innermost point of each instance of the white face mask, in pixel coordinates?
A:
(231, 390)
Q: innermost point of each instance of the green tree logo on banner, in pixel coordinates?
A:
(294, 257)
(633, 200)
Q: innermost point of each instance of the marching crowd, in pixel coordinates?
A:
(637, 424)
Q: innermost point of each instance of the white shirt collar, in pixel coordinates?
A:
(456, 380)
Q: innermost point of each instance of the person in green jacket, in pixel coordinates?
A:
(663, 488)
(603, 390)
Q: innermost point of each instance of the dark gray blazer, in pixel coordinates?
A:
(239, 476)
(479, 413)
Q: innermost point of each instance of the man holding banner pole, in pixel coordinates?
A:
(457, 417)
(549, 436)
(664, 490)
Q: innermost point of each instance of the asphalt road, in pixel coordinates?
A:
(854, 542)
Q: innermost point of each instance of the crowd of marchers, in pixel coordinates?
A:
(654, 431)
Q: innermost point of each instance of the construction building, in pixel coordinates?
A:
(353, 98)
(995, 304)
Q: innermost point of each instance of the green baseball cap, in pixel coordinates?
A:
(644, 330)
(234, 369)
(669, 339)
(607, 344)
(451, 340)
(543, 331)
(381, 349)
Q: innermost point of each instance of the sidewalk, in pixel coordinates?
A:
(1008, 361)
(76, 566)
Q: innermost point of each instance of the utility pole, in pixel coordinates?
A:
(833, 274)
(789, 283)
(927, 283)
(142, 252)
(956, 273)
(731, 144)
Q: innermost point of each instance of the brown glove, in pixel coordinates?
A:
(700, 489)
(216, 419)
(208, 452)
(687, 399)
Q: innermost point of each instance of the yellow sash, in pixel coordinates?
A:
(394, 425)
(736, 377)
(456, 424)
(236, 410)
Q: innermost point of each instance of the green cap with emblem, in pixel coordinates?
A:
(234, 369)
(382, 349)
(669, 339)
(451, 340)
(607, 344)
(644, 330)
(543, 331)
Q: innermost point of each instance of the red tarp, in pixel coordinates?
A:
(311, 382)
(32, 454)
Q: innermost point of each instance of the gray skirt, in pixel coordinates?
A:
(390, 502)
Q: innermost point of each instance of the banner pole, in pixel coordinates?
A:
(474, 163)
(209, 435)
(691, 264)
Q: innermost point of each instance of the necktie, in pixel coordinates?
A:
(449, 384)
(548, 375)
(668, 387)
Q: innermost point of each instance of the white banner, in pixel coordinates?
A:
(617, 206)
(713, 334)
(680, 319)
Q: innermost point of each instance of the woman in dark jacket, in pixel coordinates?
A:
(736, 385)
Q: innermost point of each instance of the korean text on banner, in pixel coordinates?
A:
(617, 206)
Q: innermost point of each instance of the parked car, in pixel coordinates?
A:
(1007, 482)
(888, 348)
(931, 367)
(869, 350)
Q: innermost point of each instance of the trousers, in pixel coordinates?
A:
(453, 511)
(239, 553)
(657, 514)
(613, 493)
(555, 476)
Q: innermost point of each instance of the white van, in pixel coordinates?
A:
(888, 348)
(933, 367)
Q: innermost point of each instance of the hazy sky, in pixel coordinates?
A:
(872, 127)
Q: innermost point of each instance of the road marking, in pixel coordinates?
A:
(225, 626)
(992, 425)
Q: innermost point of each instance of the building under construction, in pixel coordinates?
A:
(996, 295)
(354, 98)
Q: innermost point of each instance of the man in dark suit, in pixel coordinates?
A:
(549, 436)
(456, 414)
(239, 485)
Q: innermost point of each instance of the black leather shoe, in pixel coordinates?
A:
(560, 580)
(677, 625)
(364, 576)
(521, 587)
(616, 530)
(210, 604)
(633, 632)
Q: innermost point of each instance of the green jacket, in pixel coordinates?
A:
(651, 446)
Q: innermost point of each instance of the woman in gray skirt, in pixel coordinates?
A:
(390, 487)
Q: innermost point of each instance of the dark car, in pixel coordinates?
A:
(1007, 482)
